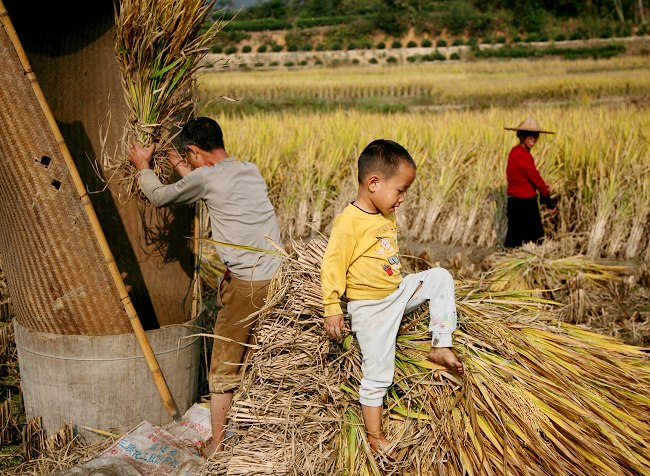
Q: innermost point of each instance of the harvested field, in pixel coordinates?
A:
(599, 175)
(430, 87)
(542, 392)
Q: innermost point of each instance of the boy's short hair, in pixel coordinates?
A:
(382, 156)
(203, 132)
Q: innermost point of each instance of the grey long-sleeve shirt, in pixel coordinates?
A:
(240, 211)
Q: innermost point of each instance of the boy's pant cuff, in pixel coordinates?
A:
(371, 402)
(441, 340)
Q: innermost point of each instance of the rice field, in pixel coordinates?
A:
(597, 164)
(400, 88)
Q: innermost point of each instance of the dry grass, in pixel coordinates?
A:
(539, 396)
(612, 298)
(57, 453)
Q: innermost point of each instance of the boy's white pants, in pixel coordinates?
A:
(376, 322)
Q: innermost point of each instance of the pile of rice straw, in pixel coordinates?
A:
(610, 297)
(539, 396)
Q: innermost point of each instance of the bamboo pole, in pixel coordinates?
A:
(196, 285)
(198, 229)
(143, 341)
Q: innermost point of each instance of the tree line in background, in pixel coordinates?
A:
(457, 17)
(330, 25)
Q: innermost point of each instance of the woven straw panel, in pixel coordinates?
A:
(57, 277)
(76, 68)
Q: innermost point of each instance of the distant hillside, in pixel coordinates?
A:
(293, 25)
(432, 17)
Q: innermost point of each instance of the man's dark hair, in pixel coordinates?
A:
(202, 132)
(383, 156)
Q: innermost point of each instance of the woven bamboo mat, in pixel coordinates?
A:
(54, 266)
(71, 52)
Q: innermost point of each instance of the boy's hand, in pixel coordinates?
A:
(141, 157)
(334, 326)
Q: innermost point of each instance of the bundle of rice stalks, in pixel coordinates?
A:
(538, 397)
(159, 46)
(541, 267)
(211, 268)
(595, 292)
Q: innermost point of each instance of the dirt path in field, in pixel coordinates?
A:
(463, 261)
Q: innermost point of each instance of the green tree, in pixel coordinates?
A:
(460, 16)
(391, 17)
(266, 9)
(317, 8)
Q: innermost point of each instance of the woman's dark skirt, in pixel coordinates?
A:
(524, 222)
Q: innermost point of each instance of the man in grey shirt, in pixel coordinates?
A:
(241, 213)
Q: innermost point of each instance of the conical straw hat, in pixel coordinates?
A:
(529, 124)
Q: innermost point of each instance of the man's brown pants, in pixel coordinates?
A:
(239, 299)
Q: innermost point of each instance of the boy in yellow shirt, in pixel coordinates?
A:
(362, 262)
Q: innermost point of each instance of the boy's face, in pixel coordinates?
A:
(388, 193)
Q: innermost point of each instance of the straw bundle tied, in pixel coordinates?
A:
(159, 46)
(542, 267)
(540, 397)
(607, 296)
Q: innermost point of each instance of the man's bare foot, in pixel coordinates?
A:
(211, 448)
(380, 445)
(446, 357)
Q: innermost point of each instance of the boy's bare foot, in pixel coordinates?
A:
(380, 445)
(446, 357)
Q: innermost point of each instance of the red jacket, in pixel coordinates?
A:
(523, 178)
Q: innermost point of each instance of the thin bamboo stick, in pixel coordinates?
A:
(196, 285)
(143, 341)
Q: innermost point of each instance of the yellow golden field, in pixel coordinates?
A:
(437, 84)
(598, 163)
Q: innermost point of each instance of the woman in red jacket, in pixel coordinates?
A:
(524, 182)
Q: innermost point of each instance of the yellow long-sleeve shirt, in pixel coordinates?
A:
(361, 259)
